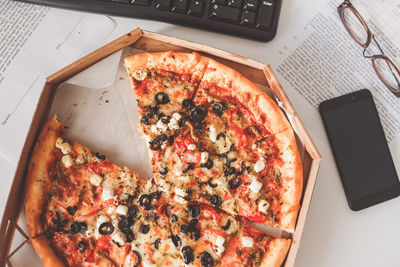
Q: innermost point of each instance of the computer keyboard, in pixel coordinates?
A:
(254, 19)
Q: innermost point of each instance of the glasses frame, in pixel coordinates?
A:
(370, 37)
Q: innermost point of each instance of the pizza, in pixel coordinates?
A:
(222, 154)
(227, 145)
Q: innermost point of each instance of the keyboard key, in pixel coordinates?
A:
(224, 13)
(250, 5)
(248, 18)
(140, 2)
(196, 8)
(265, 14)
(220, 2)
(180, 6)
(164, 4)
(235, 3)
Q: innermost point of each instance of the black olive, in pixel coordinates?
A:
(106, 228)
(171, 140)
(50, 235)
(145, 120)
(215, 200)
(193, 223)
(75, 228)
(129, 236)
(209, 182)
(229, 161)
(207, 260)
(209, 164)
(176, 133)
(138, 258)
(239, 172)
(227, 225)
(165, 120)
(182, 122)
(144, 228)
(239, 252)
(174, 218)
(152, 216)
(229, 171)
(195, 234)
(194, 210)
(132, 212)
(162, 138)
(82, 227)
(161, 98)
(187, 253)
(199, 127)
(71, 210)
(152, 111)
(58, 218)
(99, 156)
(234, 182)
(198, 113)
(218, 109)
(157, 243)
(188, 168)
(202, 184)
(144, 200)
(124, 225)
(82, 246)
(176, 240)
(155, 145)
(221, 135)
(232, 148)
(155, 195)
(60, 225)
(187, 103)
(184, 229)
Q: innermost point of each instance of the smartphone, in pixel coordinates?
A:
(360, 149)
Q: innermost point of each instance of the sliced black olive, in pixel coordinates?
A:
(144, 200)
(71, 210)
(227, 225)
(165, 120)
(209, 164)
(229, 171)
(161, 98)
(234, 182)
(152, 111)
(215, 200)
(138, 258)
(188, 168)
(124, 225)
(232, 148)
(162, 138)
(209, 182)
(199, 127)
(221, 135)
(218, 109)
(58, 218)
(195, 234)
(106, 228)
(144, 228)
(194, 210)
(171, 140)
(174, 218)
(202, 184)
(229, 161)
(176, 240)
(155, 145)
(82, 227)
(60, 225)
(239, 252)
(99, 156)
(198, 113)
(145, 120)
(187, 103)
(193, 223)
(152, 216)
(155, 195)
(132, 212)
(184, 229)
(82, 246)
(157, 243)
(129, 236)
(206, 259)
(50, 235)
(187, 253)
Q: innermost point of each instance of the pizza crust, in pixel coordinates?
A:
(36, 190)
(276, 254)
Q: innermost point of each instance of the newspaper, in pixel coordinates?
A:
(320, 60)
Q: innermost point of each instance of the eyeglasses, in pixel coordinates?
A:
(358, 29)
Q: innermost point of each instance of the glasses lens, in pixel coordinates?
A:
(354, 26)
(388, 73)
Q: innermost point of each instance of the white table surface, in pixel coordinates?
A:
(333, 235)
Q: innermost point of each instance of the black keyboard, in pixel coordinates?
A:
(254, 19)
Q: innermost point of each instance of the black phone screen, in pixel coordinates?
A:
(360, 149)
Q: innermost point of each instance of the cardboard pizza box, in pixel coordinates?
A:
(14, 237)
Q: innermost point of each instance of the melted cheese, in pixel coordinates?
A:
(247, 241)
(255, 185)
(95, 179)
(67, 161)
(263, 206)
(122, 210)
(260, 165)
